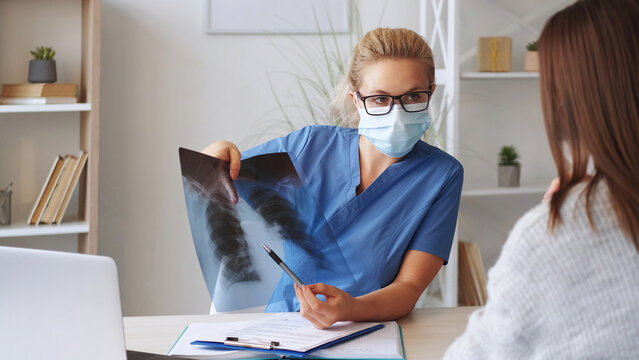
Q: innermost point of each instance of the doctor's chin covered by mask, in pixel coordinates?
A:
(395, 133)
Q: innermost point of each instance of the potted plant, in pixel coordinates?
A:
(42, 67)
(531, 60)
(509, 167)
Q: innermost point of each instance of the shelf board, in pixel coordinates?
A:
(500, 75)
(22, 229)
(45, 108)
(525, 190)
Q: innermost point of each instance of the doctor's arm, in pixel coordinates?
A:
(417, 270)
(391, 302)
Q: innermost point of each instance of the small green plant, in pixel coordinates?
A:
(43, 53)
(532, 46)
(508, 156)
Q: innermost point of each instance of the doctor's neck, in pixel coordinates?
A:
(372, 163)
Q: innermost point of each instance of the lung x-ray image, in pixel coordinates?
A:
(229, 220)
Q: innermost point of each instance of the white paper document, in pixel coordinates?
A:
(293, 333)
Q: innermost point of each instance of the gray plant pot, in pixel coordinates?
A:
(509, 175)
(42, 71)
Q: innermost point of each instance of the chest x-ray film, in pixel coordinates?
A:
(229, 220)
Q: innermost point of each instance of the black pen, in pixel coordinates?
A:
(281, 264)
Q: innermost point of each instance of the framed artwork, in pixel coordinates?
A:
(276, 16)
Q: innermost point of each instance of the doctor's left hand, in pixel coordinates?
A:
(323, 314)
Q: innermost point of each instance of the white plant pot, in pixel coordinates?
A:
(531, 61)
(509, 175)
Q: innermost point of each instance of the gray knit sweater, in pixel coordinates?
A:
(572, 294)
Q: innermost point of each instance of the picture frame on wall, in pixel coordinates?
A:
(277, 16)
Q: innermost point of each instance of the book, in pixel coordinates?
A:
(291, 331)
(82, 159)
(37, 100)
(47, 188)
(58, 191)
(39, 90)
(472, 276)
(55, 183)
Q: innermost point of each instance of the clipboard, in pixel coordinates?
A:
(273, 347)
(297, 337)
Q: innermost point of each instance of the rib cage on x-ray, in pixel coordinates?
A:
(270, 203)
(280, 212)
(225, 232)
(227, 239)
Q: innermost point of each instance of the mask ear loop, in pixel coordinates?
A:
(359, 104)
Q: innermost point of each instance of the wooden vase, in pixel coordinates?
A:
(531, 61)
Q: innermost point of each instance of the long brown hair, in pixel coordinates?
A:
(589, 76)
(375, 45)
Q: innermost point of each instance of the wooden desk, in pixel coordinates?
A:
(427, 332)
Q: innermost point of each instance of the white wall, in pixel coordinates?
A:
(165, 84)
(500, 112)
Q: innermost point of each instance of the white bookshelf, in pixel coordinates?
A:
(45, 108)
(499, 75)
(73, 28)
(21, 230)
(485, 93)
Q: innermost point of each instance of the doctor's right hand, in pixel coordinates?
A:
(226, 151)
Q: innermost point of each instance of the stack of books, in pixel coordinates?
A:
(34, 94)
(472, 276)
(56, 192)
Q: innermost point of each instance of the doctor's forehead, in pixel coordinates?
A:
(394, 76)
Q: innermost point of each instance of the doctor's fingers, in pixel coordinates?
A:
(324, 289)
(326, 312)
(310, 311)
(226, 151)
(234, 158)
(306, 311)
(231, 192)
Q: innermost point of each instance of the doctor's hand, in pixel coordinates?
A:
(323, 314)
(226, 151)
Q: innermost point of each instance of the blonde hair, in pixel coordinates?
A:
(375, 45)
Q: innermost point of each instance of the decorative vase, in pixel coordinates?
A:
(5, 207)
(42, 71)
(531, 61)
(509, 175)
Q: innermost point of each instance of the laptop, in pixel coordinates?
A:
(56, 305)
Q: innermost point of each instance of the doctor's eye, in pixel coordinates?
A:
(379, 100)
(415, 97)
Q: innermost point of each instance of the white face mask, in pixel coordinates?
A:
(395, 133)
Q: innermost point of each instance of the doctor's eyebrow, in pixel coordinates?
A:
(416, 88)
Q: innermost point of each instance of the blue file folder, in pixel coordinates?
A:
(214, 345)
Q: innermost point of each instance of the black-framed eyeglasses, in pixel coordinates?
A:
(414, 101)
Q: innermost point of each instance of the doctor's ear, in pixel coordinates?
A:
(353, 97)
(432, 88)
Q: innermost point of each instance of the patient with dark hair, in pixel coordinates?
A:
(566, 283)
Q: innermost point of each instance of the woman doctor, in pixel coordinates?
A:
(390, 199)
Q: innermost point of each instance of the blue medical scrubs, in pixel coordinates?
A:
(412, 205)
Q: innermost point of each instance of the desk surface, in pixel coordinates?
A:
(427, 332)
